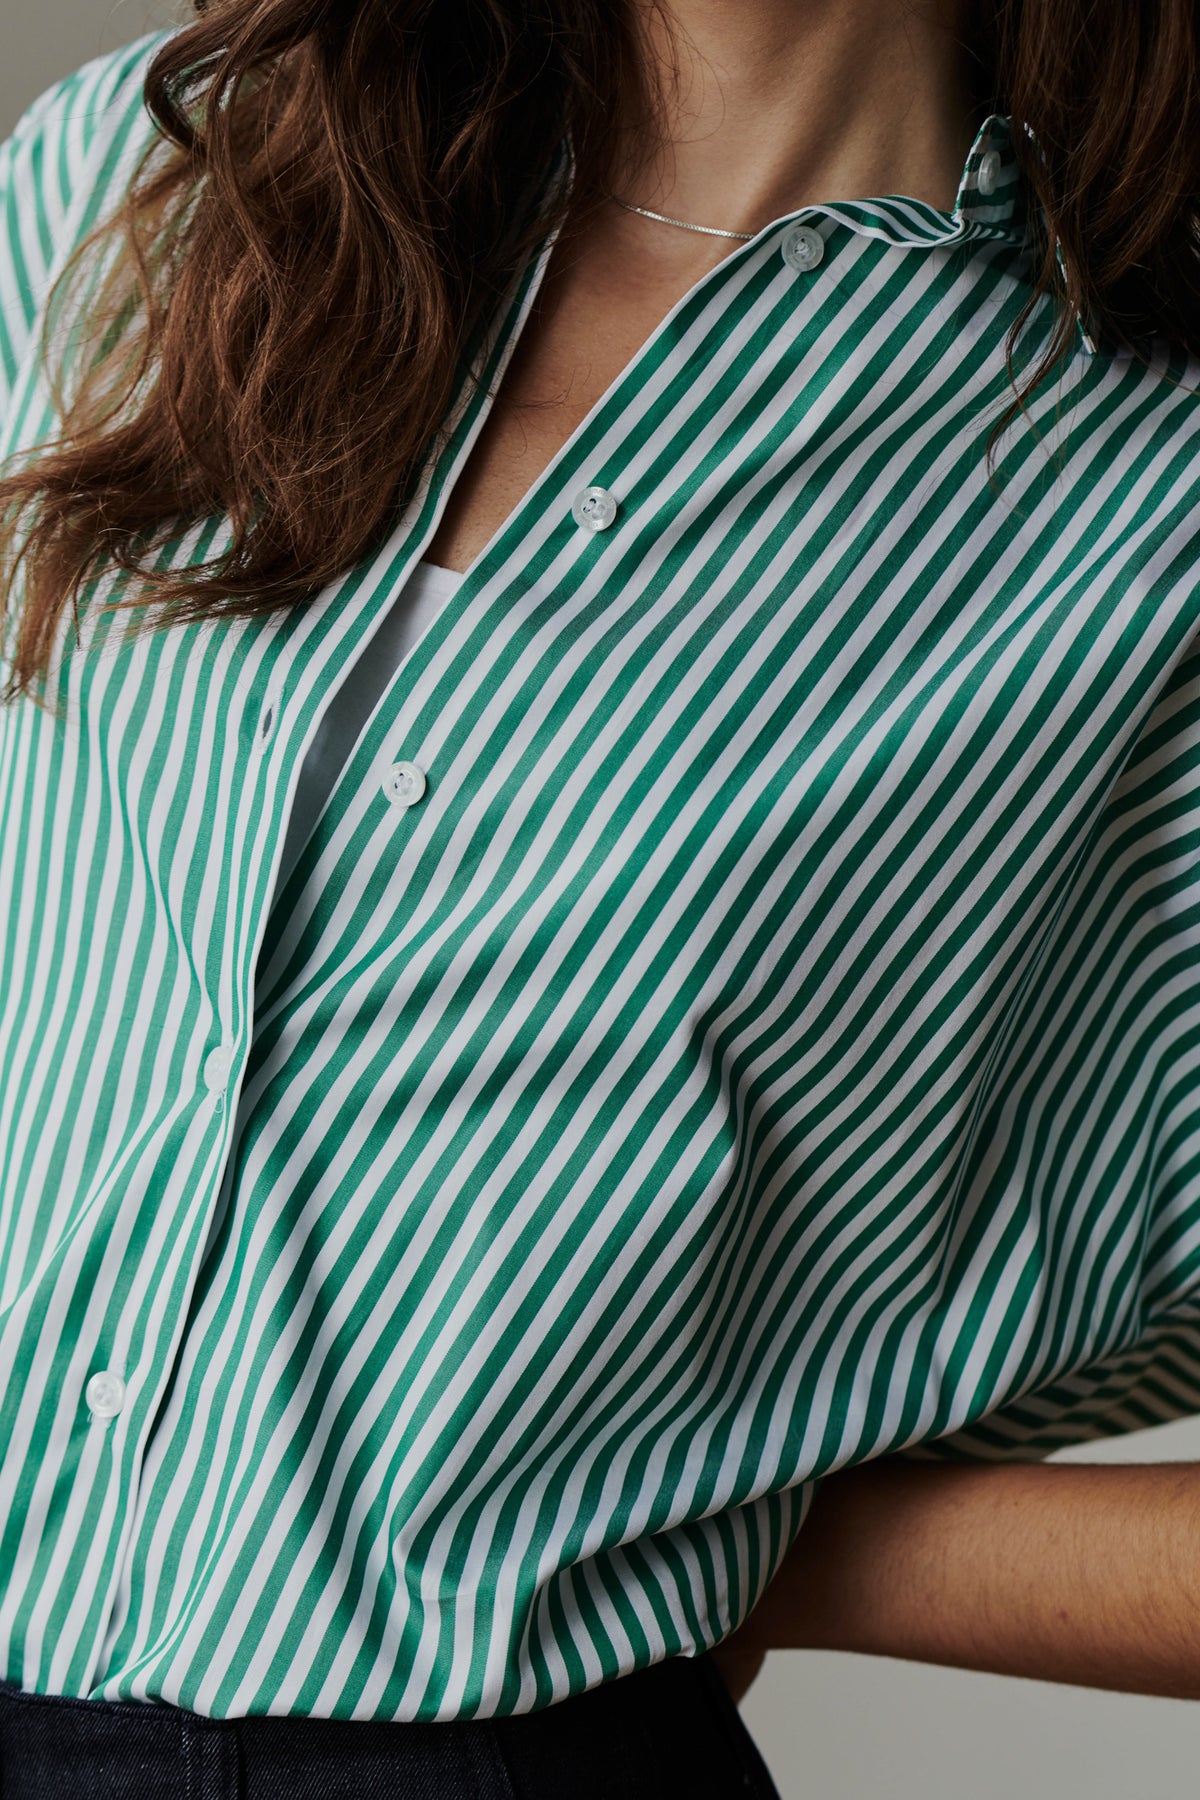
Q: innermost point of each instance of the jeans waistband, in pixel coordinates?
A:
(668, 1730)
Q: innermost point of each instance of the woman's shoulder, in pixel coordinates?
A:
(55, 135)
(57, 155)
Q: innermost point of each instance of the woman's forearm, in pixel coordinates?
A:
(1083, 1573)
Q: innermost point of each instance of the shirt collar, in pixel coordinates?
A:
(1008, 205)
(993, 201)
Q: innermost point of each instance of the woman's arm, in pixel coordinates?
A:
(1078, 1572)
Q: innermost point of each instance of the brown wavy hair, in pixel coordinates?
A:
(350, 188)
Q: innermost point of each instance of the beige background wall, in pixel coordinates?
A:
(831, 1727)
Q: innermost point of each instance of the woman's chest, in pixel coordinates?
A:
(589, 324)
(517, 444)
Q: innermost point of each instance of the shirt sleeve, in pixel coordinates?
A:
(1110, 1342)
(45, 166)
(1152, 1381)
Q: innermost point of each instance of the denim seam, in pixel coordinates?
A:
(489, 1768)
(189, 1761)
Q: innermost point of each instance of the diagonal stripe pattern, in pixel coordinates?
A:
(735, 1014)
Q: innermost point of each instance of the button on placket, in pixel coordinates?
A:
(404, 783)
(594, 508)
(217, 1065)
(803, 248)
(105, 1394)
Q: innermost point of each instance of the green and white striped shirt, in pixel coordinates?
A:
(736, 1015)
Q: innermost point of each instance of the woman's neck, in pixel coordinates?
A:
(782, 103)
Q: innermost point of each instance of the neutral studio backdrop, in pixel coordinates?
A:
(832, 1727)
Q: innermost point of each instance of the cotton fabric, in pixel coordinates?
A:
(768, 1043)
(425, 590)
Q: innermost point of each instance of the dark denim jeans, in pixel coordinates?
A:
(667, 1732)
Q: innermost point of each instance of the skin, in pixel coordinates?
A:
(1085, 1573)
(782, 103)
(1056, 1572)
(779, 103)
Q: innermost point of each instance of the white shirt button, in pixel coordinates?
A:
(803, 248)
(216, 1068)
(594, 508)
(105, 1394)
(989, 172)
(404, 784)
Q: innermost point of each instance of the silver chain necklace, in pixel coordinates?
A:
(710, 230)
